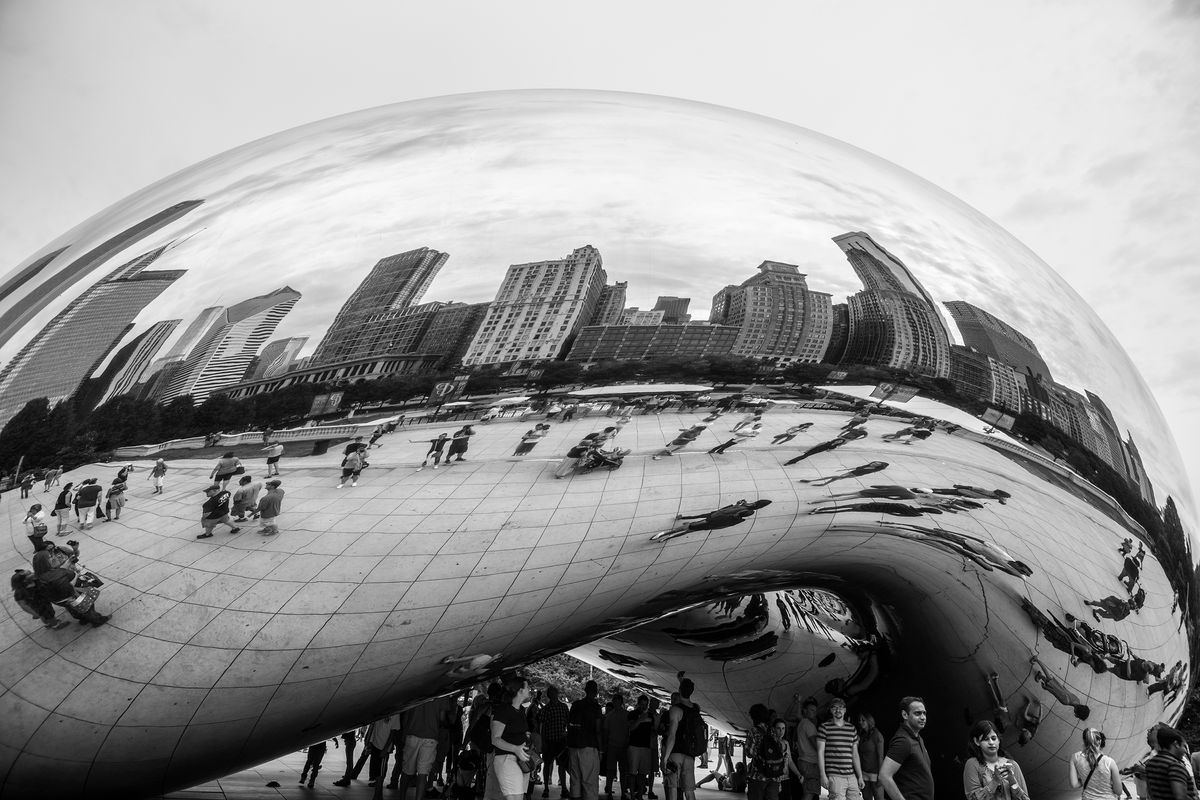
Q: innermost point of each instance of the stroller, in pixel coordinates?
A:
(601, 459)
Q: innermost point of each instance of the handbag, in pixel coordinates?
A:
(88, 579)
(240, 470)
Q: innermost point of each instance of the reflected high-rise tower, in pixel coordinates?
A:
(675, 309)
(538, 309)
(277, 357)
(128, 368)
(70, 346)
(994, 337)
(16, 308)
(230, 345)
(611, 305)
(770, 308)
(893, 321)
(394, 284)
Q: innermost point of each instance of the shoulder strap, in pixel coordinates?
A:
(1088, 779)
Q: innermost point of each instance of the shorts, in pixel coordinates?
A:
(505, 777)
(419, 755)
(272, 459)
(224, 476)
(844, 787)
(208, 523)
(810, 776)
(683, 778)
(640, 761)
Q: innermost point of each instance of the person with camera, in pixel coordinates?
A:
(65, 584)
(511, 760)
(987, 775)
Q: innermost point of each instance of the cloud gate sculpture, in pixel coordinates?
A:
(973, 496)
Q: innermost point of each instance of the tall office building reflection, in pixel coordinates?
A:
(63, 353)
(230, 345)
(369, 320)
(16, 309)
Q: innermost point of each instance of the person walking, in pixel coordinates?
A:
(724, 517)
(987, 775)
(62, 510)
(157, 474)
(1093, 771)
(686, 436)
(269, 507)
(791, 433)
(52, 477)
(352, 466)
(905, 773)
(227, 466)
(823, 447)
(437, 446)
(459, 443)
(686, 738)
(739, 435)
(273, 450)
(215, 511)
(530, 439)
(26, 485)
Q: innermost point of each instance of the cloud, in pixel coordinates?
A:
(1113, 170)
(1042, 203)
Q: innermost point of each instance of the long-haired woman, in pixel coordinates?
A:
(987, 775)
(506, 778)
(1097, 773)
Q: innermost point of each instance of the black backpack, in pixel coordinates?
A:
(768, 761)
(691, 736)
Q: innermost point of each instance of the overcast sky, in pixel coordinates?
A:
(1075, 125)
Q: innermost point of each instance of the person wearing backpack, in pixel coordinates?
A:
(687, 738)
(764, 756)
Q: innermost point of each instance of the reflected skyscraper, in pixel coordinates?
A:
(611, 305)
(771, 309)
(894, 322)
(16, 309)
(134, 365)
(70, 346)
(394, 284)
(193, 333)
(538, 308)
(993, 336)
(277, 357)
(230, 345)
(675, 309)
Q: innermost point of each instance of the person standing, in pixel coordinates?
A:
(583, 744)
(555, 715)
(905, 773)
(114, 500)
(273, 450)
(26, 485)
(312, 764)
(837, 755)
(987, 775)
(459, 444)
(245, 499)
(30, 598)
(62, 510)
(764, 761)
(686, 738)
(421, 725)
(1167, 774)
(215, 511)
(870, 754)
(52, 476)
(157, 473)
(1093, 771)
(531, 438)
(87, 500)
(124, 473)
(615, 730)
(269, 506)
(641, 734)
(509, 732)
(806, 744)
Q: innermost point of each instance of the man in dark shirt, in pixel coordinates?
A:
(555, 716)
(1167, 777)
(215, 512)
(583, 744)
(905, 773)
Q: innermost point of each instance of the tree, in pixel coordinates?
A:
(569, 674)
(27, 434)
(557, 373)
